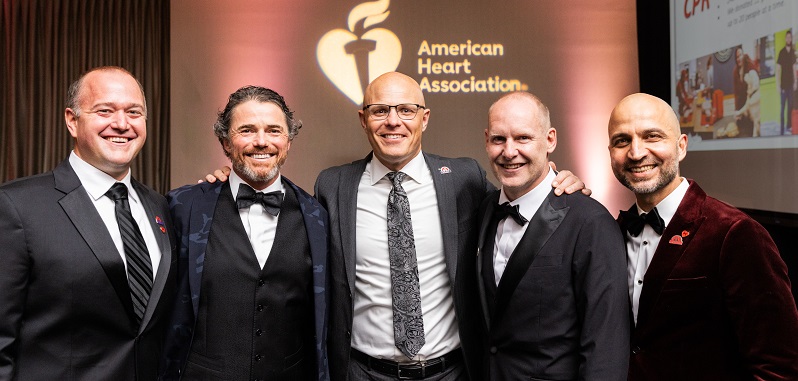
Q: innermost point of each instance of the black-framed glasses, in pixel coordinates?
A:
(405, 111)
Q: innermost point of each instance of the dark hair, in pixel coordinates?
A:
(261, 94)
(73, 93)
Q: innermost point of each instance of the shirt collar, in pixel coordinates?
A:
(97, 182)
(529, 203)
(667, 207)
(413, 169)
(236, 181)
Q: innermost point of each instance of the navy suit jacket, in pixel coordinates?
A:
(460, 185)
(716, 301)
(192, 208)
(65, 306)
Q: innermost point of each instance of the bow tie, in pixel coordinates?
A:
(271, 201)
(635, 223)
(504, 210)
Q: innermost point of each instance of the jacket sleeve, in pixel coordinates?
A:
(181, 324)
(14, 269)
(602, 299)
(759, 301)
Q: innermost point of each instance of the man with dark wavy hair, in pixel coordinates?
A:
(253, 252)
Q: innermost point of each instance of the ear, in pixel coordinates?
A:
(226, 146)
(682, 146)
(71, 121)
(551, 140)
(424, 119)
(362, 115)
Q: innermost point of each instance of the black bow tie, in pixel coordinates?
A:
(634, 223)
(504, 210)
(247, 196)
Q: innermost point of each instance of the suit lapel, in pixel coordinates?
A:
(447, 208)
(541, 226)
(81, 210)
(687, 219)
(347, 189)
(164, 246)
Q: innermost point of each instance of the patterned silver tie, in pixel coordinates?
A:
(408, 323)
(139, 267)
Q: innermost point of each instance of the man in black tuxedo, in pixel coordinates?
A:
(87, 262)
(253, 253)
(376, 329)
(552, 269)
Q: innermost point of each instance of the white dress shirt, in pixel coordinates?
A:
(372, 326)
(96, 183)
(258, 223)
(640, 250)
(509, 232)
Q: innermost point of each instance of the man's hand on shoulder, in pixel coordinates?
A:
(567, 182)
(219, 174)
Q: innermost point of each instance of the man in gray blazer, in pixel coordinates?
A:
(82, 295)
(403, 278)
(552, 269)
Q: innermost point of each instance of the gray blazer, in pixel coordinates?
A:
(460, 185)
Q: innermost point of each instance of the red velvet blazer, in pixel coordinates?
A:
(716, 301)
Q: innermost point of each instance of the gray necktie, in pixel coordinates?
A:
(139, 266)
(408, 323)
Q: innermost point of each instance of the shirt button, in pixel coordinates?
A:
(645, 242)
(639, 281)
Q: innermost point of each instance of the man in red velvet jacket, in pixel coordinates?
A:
(709, 292)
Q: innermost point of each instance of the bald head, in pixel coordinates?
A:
(644, 106)
(522, 102)
(394, 84)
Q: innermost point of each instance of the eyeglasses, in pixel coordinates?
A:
(405, 111)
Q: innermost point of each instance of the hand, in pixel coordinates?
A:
(567, 182)
(219, 174)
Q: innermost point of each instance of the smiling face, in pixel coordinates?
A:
(110, 125)
(646, 146)
(258, 142)
(518, 142)
(394, 141)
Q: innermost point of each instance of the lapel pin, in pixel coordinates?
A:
(676, 240)
(444, 170)
(160, 223)
(685, 233)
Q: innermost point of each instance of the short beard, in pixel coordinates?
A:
(248, 175)
(668, 174)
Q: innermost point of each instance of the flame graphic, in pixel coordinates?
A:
(371, 13)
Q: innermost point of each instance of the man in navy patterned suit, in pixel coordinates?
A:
(253, 252)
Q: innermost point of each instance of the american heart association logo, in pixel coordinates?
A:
(353, 58)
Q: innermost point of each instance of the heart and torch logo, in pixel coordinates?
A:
(352, 58)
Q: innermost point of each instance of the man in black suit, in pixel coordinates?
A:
(552, 269)
(87, 264)
(412, 312)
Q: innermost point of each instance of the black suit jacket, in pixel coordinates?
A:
(65, 307)
(561, 310)
(460, 185)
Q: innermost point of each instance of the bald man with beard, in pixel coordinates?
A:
(709, 291)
